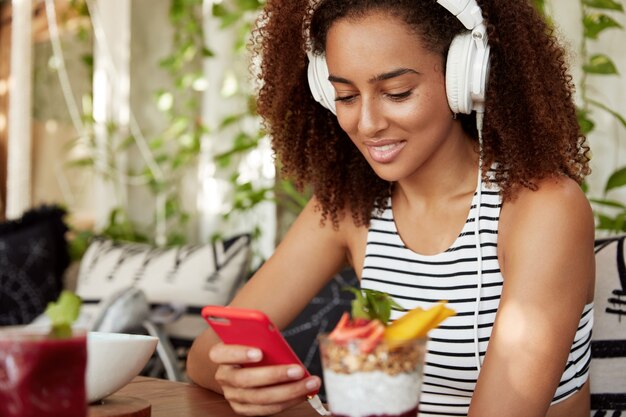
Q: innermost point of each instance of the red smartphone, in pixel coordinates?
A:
(248, 327)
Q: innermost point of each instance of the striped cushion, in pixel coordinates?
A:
(184, 276)
(608, 346)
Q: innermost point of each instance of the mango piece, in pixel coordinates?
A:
(417, 323)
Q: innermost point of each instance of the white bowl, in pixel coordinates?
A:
(113, 359)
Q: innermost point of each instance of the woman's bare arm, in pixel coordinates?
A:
(308, 256)
(547, 260)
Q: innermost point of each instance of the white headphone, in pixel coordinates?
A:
(467, 68)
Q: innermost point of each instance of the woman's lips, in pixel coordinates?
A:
(385, 151)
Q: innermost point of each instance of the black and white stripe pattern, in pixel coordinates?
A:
(416, 280)
(608, 345)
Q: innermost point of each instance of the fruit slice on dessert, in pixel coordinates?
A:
(368, 332)
(417, 323)
(370, 313)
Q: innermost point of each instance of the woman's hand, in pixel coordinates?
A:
(263, 390)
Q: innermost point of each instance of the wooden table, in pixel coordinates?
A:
(178, 399)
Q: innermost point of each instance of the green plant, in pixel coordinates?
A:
(97, 156)
(166, 156)
(540, 5)
(239, 16)
(610, 214)
(242, 127)
(177, 147)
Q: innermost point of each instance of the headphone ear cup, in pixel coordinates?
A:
(458, 69)
(317, 75)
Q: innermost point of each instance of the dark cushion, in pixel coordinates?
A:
(33, 258)
(320, 316)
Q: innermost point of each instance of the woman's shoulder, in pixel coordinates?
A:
(340, 223)
(314, 230)
(559, 194)
(557, 204)
(551, 193)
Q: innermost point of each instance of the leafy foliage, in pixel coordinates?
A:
(177, 147)
(540, 5)
(63, 313)
(239, 16)
(372, 305)
(168, 154)
(610, 214)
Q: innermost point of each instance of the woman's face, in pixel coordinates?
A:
(390, 93)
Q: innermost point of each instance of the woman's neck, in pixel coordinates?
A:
(449, 174)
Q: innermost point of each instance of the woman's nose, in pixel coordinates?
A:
(371, 118)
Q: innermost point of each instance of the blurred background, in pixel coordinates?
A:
(138, 117)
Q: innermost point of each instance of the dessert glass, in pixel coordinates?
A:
(383, 382)
(42, 376)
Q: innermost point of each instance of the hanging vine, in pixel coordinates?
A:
(177, 147)
(240, 16)
(596, 19)
(167, 155)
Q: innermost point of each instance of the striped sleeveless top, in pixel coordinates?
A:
(416, 280)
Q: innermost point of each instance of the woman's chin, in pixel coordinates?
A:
(388, 174)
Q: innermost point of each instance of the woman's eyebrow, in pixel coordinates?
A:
(380, 77)
(392, 74)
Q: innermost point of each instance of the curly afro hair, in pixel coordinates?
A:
(530, 127)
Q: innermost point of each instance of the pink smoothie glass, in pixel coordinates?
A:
(41, 376)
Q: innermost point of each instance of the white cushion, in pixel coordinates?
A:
(188, 276)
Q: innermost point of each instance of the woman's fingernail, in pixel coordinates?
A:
(254, 355)
(312, 384)
(295, 372)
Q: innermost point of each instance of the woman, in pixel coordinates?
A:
(407, 194)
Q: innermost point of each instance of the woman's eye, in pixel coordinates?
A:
(394, 97)
(345, 99)
(400, 96)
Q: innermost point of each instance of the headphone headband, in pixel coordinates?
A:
(467, 11)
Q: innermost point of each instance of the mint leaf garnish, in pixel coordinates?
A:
(63, 314)
(372, 304)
